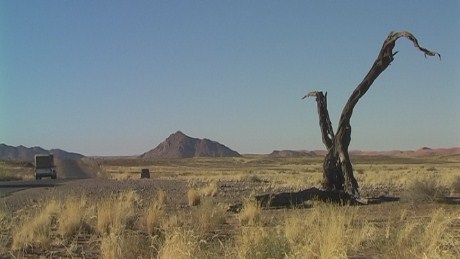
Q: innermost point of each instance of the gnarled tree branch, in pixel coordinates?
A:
(338, 170)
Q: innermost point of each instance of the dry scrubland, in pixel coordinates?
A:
(126, 225)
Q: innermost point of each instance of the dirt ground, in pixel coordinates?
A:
(236, 180)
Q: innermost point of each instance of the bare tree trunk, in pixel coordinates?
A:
(337, 167)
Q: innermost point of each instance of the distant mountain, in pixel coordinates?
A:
(179, 145)
(292, 153)
(22, 153)
(424, 151)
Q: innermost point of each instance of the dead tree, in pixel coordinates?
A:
(337, 167)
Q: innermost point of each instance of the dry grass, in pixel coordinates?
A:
(429, 237)
(14, 171)
(210, 190)
(259, 242)
(155, 213)
(34, 230)
(180, 244)
(193, 197)
(5, 226)
(207, 217)
(423, 190)
(250, 212)
(336, 232)
(117, 213)
(128, 244)
(125, 225)
(75, 216)
(455, 185)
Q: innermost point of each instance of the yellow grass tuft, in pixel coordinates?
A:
(329, 231)
(207, 217)
(180, 243)
(74, 216)
(125, 245)
(250, 213)
(426, 238)
(114, 214)
(193, 197)
(34, 230)
(210, 190)
(260, 242)
(155, 212)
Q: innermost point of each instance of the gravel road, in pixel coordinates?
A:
(77, 178)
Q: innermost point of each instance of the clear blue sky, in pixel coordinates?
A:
(118, 77)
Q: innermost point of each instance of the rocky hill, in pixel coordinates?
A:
(179, 145)
(425, 151)
(22, 153)
(292, 153)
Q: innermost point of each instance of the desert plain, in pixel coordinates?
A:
(100, 208)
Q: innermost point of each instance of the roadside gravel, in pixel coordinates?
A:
(96, 188)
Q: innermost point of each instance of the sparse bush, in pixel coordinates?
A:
(210, 190)
(180, 243)
(114, 214)
(5, 225)
(250, 213)
(74, 216)
(207, 217)
(328, 231)
(193, 197)
(155, 212)
(455, 185)
(428, 238)
(127, 244)
(423, 190)
(253, 178)
(34, 230)
(259, 242)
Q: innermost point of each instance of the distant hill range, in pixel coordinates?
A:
(179, 145)
(26, 154)
(293, 153)
(425, 151)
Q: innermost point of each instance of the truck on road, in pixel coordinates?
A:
(44, 166)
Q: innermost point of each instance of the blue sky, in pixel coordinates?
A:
(118, 77)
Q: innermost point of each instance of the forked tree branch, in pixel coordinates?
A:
(337, 161)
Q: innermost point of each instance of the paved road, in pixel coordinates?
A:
(67, 170)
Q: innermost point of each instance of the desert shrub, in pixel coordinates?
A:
(34, 230)
(155, 213)
(173, 222)
(423, 190)
(6, 176)
(428, 238)
(193, 197)
(116, 213)
(259, 242)
(5, 225)
(328, 231)
(207, 217)
(180, 243)
(455, 185)
(127, 244)
(74, 216)
(250, 212)
(252, 178)
(210, 190)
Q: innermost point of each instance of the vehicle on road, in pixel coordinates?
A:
(145, 173)
(44, 166)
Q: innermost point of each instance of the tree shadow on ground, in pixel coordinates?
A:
(301, 199)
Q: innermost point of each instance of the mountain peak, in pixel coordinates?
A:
(179, 145)
(22, 153)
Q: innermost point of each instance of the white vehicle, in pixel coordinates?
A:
(44, 166)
